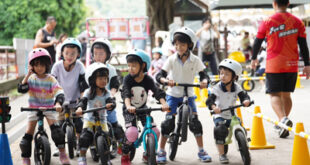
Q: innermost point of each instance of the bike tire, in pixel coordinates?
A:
(132, 152)
(174, 142)
(243, 147)
(151, 153)
(42, 151)
(70, 141)
(184, 126)
(103, 150)
(93, 153)
(113, 149)
(248, 85)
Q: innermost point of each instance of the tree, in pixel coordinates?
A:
(22, 18)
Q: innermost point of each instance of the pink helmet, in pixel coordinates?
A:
(38, 52)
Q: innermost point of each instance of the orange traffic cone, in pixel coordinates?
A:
(298, 82)
(239, 114)
(204, 98)
(300, 148)
(197, 91)
(258, 138)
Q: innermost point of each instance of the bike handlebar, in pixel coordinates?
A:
(184, 84)
(95, 109)
(143, 110)
(232, 107)
(37, 109)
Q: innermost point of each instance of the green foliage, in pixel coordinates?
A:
(23, 18)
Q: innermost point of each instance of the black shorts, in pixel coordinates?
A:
(280, 82)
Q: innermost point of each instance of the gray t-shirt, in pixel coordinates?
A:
(69, 81)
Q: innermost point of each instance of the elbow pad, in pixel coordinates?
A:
(23, 88)
(60, 99)
(161, 74)
(82, 83)
(111, 100)
(211, 101)
(243, 96)
(83, 103)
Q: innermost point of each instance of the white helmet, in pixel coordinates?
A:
(232, 65)
(90, 70)
(189, 32)
(104, 42)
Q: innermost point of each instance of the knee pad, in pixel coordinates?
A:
(118, 131)
(220, 133)
(195, 126)
(86, 139)
(25, 145)
(132, 134)
(168, 125)
(78, 123)
(58, 135)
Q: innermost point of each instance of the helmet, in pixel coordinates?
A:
(72, 41)
(232, 65)
(189, 32)
(143, 56)
(38, 52)
(157, 50)
(237, 56)
(104, 42)
(91, 69)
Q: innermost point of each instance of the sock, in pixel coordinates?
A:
(200, 149)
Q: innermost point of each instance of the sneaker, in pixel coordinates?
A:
(161, 157)
(125, 160)
(224, 159)
(56, 153)
(119, 150)
(82, 161)
(144, 157)
(203, 156)
(283, 133)
(63, 157)
(26, 161)
(77, 151)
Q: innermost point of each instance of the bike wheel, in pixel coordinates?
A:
(103, 150)
(248, 85)
(93, 153)
(70, 141)
(151, 153)
(174, 142)
(184, 126)
(243, 147)
(132, 152)
(113, 149)
(42, 151)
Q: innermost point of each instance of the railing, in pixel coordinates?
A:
(8, 65)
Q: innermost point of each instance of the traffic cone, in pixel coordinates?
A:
(5, 152)
(300, 148)
(258, 138)
(204, 98)
(298, 82)
(239, 114)
(197, 91)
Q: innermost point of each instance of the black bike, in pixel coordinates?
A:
(42, 149)
(183, 120)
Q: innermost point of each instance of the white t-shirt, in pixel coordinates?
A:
(182, 73)
(225, 99)
(69, 81)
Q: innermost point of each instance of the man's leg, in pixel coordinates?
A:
(286, 102)
(277, 104)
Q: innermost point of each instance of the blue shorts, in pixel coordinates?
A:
(112, 116)
(174, 102)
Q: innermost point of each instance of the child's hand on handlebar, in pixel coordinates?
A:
(165, 107)
(131, 109)
(58, 107)
(217, 110)
(79, 111)
(246, 103)
(170, 83)
(109, 106)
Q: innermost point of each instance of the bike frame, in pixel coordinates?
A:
(41, 130)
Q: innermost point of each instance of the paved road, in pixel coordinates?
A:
(187, 152)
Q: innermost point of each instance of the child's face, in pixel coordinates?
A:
(225, 75)
(39, 68)
(156, 56)
(180, 47)
(133, 68)
(101, 81)
(70, 55)
(100, 55)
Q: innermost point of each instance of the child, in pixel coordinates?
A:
(101, 51)
(223, 95)
(97, 77)
(69, 72)
(44, 92)
(157, 62)
(135, 92)
(182, 67)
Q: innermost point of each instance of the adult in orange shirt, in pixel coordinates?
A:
(284, 32)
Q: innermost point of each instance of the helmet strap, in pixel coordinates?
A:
(186, 54)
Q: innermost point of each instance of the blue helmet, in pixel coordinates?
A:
(143, 56)
(72, 41)
(157, 50)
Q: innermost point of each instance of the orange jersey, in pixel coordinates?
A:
(282, 31)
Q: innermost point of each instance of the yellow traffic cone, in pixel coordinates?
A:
(298, 85)
(239, 114)
(258, 138)
(204, 98)
(197, 91)
(300, 148)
